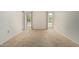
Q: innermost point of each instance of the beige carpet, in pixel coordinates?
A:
(39, 38)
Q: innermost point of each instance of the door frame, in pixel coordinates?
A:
(24, 19)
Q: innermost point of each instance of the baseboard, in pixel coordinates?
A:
(2, 42)
(66, 36)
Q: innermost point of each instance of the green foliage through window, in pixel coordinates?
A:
(50, 18)
(29, 18)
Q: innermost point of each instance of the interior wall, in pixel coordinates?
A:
(39, 20)
(11, 23)
(67, 22)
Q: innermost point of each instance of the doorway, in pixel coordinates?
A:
(50, 19)
(29, 19)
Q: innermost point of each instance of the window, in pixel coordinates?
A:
(29, 18)
(50, 19)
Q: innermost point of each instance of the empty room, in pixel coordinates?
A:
(39, 28)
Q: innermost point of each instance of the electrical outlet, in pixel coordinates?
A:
(8, 31)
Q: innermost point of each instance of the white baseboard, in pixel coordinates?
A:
(2, 42)
(66, 36)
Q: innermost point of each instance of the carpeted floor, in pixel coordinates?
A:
(39, 38)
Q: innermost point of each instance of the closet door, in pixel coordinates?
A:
(39, 20)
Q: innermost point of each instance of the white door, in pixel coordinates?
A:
(39, 20)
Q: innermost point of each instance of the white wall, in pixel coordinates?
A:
(39, 19)
(67, 22)
(11, 23)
